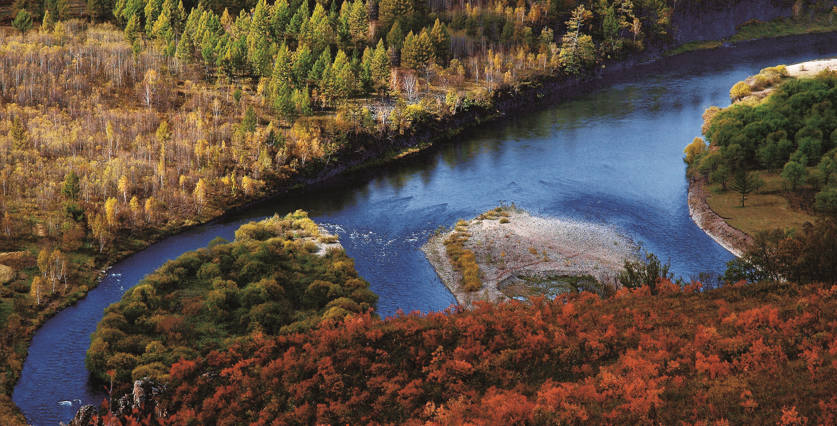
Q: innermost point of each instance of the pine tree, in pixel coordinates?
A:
(152, 12)
(71, 188)
(48, 22)
(280, 17)
(322, 63)
(184, 49)
(380, 67)
(302, 65)
(132, 29)
(61, 10)
(23, 21)
(359, 23)
(395, 37)
(19, 135)
(441, 42)
(299, 18)
(258, 46)
(743, 183)
(132, 8)
(417, 51)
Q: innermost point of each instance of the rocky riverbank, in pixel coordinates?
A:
(730, 238)
(515, 249)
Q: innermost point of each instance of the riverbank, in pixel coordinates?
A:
(535, 106)
(718, 227)
(730, 238)
(512, 247)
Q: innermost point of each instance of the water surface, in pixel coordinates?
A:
(612, 156)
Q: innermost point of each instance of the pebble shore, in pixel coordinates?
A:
(531, 246)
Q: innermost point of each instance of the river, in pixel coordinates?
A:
(610, 156)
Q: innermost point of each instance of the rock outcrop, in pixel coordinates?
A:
(141, 403)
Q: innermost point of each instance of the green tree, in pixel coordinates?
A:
(380, 67)
(441, 42)
(743, 183)
(720, 175)
(303, 62)
(151, 12)
(258, 44)
(794, 174)
(48, 22)
(18, 133)
(645, 272)
(359, 23)
(71, 187)
(23, 21)
(826, 201)
(417, 50)
(577, 49)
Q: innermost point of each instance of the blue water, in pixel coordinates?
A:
(611, 156)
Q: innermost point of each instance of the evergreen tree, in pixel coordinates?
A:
(62, 10)
(184, 49)
(380, 67)
(395, 37)
(133, 8)
(359, 23)
(302, 102)
(99, 9)
(48, 22)
(280, 17)
(743, 183)
(71, 188)
(418, 50)
(323, 63)
(299, 18)
(152, 12)
(344, 36)
(440, 38)
(258, 45)
(302, 65)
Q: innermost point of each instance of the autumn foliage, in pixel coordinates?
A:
(743, 354)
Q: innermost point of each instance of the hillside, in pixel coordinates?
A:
(727, 356)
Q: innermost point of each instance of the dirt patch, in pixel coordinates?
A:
(730, 238)
(519, 251)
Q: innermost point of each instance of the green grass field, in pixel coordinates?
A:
(768, 209)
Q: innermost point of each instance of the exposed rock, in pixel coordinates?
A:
(84, 416)
(141, 403)
(7, 274)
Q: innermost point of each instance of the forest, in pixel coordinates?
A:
(146, 117)
(143, 118)
(794, 130)
(277, 278)
(791, 132)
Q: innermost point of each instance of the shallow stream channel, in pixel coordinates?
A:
(612, 156)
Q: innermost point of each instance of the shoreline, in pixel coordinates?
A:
(547, 91)
(510, 245)
(716, 227)
(730, 238)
